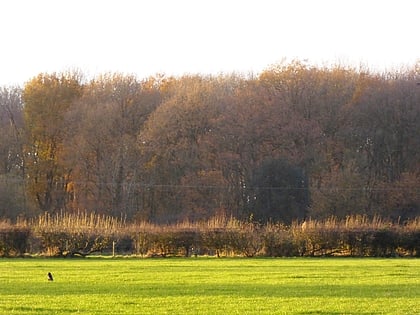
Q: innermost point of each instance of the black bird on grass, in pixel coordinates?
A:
(50, 277)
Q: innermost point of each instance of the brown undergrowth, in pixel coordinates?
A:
(82, 234)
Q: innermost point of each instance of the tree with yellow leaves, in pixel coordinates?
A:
(47, 98)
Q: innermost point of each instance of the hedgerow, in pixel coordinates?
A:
(82, 234)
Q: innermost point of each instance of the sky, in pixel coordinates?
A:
(176, 37)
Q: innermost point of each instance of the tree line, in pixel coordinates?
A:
(294, 142)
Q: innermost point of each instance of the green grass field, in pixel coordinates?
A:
(210, 286)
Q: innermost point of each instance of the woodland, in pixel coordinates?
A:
(296, 141)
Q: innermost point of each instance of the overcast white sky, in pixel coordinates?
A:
(201, 36)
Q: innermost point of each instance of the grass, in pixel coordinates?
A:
(210, 286)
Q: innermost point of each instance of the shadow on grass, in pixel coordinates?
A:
(245, 290)
(35, 310)
(320, 312)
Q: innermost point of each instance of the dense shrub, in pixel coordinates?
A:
(278, 241)
(64, 244)
(215, 241)
(173, 242)
(410, 243)
(83, 235)
(13, 241)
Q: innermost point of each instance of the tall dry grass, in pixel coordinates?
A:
(75, 222)
(63, 232)
(5, 224)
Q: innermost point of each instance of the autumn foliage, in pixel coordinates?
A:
(295, 142)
